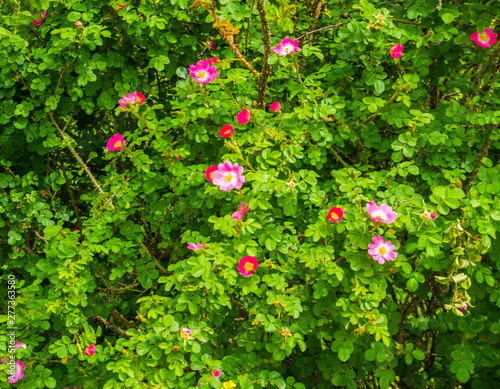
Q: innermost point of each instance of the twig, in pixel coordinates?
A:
(75, 154)
(450, 94)
(321, 29)
(112, 326)
(266, 68)
(338, 157)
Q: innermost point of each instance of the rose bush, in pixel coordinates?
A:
(326, 216)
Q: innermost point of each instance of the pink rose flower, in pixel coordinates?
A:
(485, 39)
(214, 60)
(195, 247)
(241, 212)
(116, 142)
(247, 265)
(19, 344)
(90, 350)
(212, 45)
(217, 373)
(244, 116)
(397, 51)
(175, 348)
(19, 371)
(187, 331)
(335, 214)
(229, 176)
(381, 251)
(203, 71)
(119, 6)
(286, 46)
(463, 308)
(135, 98)
(78, 23)
(37, 22)
(226, 131)
(433, 216)
(276, 106)
(382, 213)
(209, 173)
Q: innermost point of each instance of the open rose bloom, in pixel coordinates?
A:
(229, 176)
(382, 213)
(381, 251)
(90, 350)
(244, 116)
(397, 51)
(204, 71)
(485, 39)
(209, 173)
(116, 142)
(335, 214)
(195, 247)
(276, 106)
(226, 131)
(39, 21)
(287, 46)
(241, 213)
(135, 98)
(247, 265)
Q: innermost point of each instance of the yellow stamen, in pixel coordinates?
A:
(248, 267)
(287, 49)
(229, 177)
(334, 215)
(118, 144)
(212, 175)
(380, 17)
(382, 250)
(227, 132)
(483, 37)
(201, 74)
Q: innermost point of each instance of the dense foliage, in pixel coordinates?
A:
(383, 101)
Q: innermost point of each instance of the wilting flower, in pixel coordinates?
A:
(335, 214)
(135, 98)
(397, 51)
(276, 106)
(195, 247)
(212, 45)
(90, 350)
(428, 215)
(203, 71)
(464, 307)
(244, 116)
(286, 46)
(209, 173)
(381, 251)
(37, 22)
(229, 176)
(119, 6)
(226, 131)
(247, 265)
(78, 23)
(382, 213)
(485, 40)
(175, 348)
(116, 142)
(241, 212)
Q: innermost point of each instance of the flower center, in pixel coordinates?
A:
(229, 177)
(118, 144)
(334, 215)
(377, 216)
(382, 250)
(248, 267)
(380, 17)
(212, 175)
(483, 37)
(227, 132)
(287, 49)
(201, 74)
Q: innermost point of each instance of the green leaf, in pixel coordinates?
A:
(143, 348)
(418, 355)
(448, 18)
(379, 87)
(412, 284)
(463, 375)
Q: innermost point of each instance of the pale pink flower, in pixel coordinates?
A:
(90, 350)
(19, 344)
(485, 39)
(276, 106)
(286, 46)
(244, 116)
(209, 173)
(464, 307)
(241, 212)
(19, 372)
(195, 247)
(428, 215)
(37, 22)
(226, 131)
(78, 23)
(187, 331)
(381, 251)
(247, 265)
(335, 214)
(203, 71)
(228, 176)
(382, 213)
(116, 142)
(135, 98)
(397, 51)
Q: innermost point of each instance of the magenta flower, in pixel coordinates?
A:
(247, 265)
(18, 371)
(433, 216)
(187, 331)
(226, 131)
(209, 173)
(116, 142)
(244, 116)
(78, 23)
(276, 106)
(397, 51)
(335, 214)
(212, 45)
(485, 40)
(229, 176)
(241, 212)
(217, 373)
(203, 71)
(463, 308)
(286, 46)
(382, 213)
(135, 98)
(381, 251)
(90, 350)
(213, 60)
(175, 348)
(37, 22)
(428, 215)
(195, 247)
